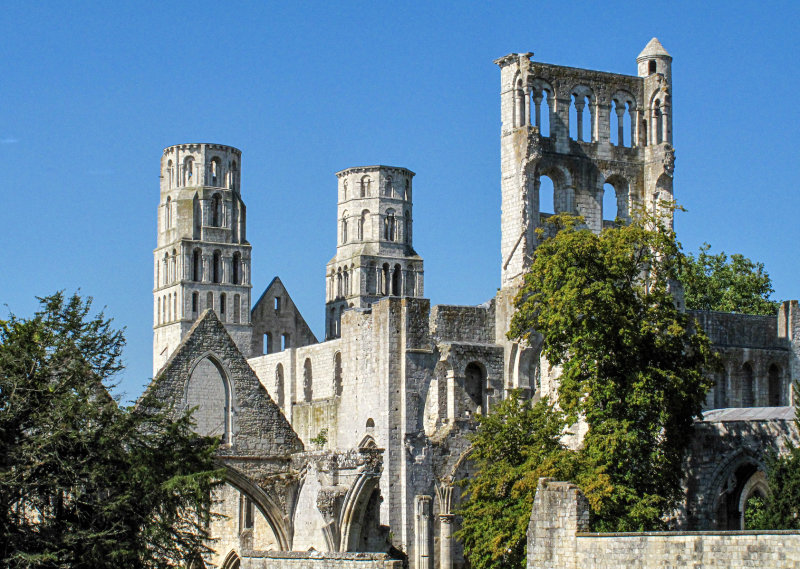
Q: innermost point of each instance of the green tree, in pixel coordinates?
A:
(514, 445)
(85, 482)
(715, 282)
(781, 510)
(632, 366)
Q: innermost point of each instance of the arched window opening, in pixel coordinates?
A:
(339, 283)
(210, 300)
(216, 211)
(407, 195)
(169, 307)
(346, 282)
(215, 172)
(337, 374)
(546, 196)
(197, 266)
(581, 117)
(308, 387)
(164, 308)
(385, 281)
(209, 390)
(168, 213)
(236, 268)
(474, 387)
(279, 385)
(644, 131)
(366, 181)
(344, 230)
(774, 386)
(658, 117)
(223, 302)
(170, 172)
(364, 232)
(541, 97)
(175, 314)
(397, 277)
(232, 175)
(389, 189)
(197, 218)
(651, 66)
(216, 270)
(610, 210)
(195, 303)
(237, 309)
(389, 226)
(407, 220)
(370, 423)
(285, 341)
(748, 380)
(267, 343)
(519, 105)
(188, 170)
(344, 189)
(158, 311)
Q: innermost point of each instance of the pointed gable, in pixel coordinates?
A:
(207, 371)
(277, 322)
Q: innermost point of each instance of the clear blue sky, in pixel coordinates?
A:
(90, 94)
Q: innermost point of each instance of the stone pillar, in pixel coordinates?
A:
(422, 532)
(527, 100)
(445, 539)
(579, 104)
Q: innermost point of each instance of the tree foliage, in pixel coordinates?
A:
(514, 445)
(780, 510)
(85, 482)
(735, 284)
(632, 365)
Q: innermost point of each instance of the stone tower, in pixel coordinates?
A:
(375, 256)
(202, 259)
(589, 132)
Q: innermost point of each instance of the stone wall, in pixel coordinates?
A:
(557, 538)
(308, 559)
(463, 323)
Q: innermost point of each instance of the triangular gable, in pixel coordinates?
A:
(255, 424)
(275, 323)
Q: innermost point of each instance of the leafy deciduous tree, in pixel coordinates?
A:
(633, 367)
(713, 282)
(83, 481)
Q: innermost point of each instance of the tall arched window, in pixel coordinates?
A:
(365, 184)
(473, 386)
(407, 220)
(158, 311)
(237, 262)
(237, 308)
(170, 174)
(168, 213)
(344, 227)
(232, 176)
(215, 171)
(195, 303)
(397, 276)
(216, 211)
(407, 196)
(389, 226)
(308, 388)
(174, 263)
(210, 300)
(386, 281)
(363, 226)
(197, 266)
(223, 302)
(346, 282)
(337, 374)
(188, 171)
(216, 270)
(344, 189)
(389, 186)
(175, 314)
(339, 283)
(658, 119)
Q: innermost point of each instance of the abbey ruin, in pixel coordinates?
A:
(344, 452)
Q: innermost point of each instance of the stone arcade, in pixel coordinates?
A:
(345, 452)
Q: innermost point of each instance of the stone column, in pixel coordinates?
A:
(422, 509)
(527, 94)
(445, 539)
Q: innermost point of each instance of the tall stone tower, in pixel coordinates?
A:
(587, 131)
(375, 256)
(202, 259)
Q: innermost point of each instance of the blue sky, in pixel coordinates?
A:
(91, 93)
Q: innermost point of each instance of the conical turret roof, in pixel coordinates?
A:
(653, 49)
